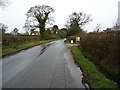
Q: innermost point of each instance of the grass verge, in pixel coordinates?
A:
(16, 47)
(93, 77)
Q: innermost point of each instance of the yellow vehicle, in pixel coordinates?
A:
(77, 40)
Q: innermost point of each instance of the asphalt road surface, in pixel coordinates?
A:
(48, 65)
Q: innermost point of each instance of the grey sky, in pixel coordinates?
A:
(104, 12)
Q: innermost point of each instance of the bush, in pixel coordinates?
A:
(92, 76)
(12, 44)
(49, 36)
(9, 40)
(103, 49)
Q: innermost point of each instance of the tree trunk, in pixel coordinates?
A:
(42, 29)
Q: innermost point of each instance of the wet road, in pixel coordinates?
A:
(46, 66)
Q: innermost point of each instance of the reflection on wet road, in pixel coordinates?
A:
(49, 65)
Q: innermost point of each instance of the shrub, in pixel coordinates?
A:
(9, 40)
(103, 49)
(50, 36)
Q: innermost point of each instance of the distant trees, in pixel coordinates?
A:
(76, 21)
(38, 16)
(4, 3)
(3, 28)
(62, 32)
(15, 31)
(55, 29)
(97, 28)
(73, 29)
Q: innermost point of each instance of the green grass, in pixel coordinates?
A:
(67, 41)
(94, 78)
(13, 47)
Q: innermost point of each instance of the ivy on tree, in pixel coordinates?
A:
(38, 16)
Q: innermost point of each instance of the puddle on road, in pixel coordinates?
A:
(83, 80)
(75, 70)
(44, 47)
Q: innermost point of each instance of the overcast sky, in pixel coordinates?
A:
(104, 12)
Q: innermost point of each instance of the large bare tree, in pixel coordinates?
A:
(76, 21)
(38, 16)
(79, 18)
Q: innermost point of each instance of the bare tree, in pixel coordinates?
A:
(15, 31)
(38, 16)
(3, 28)
(79, 18)
(76, 21)
(4, 3)
(98, 28)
